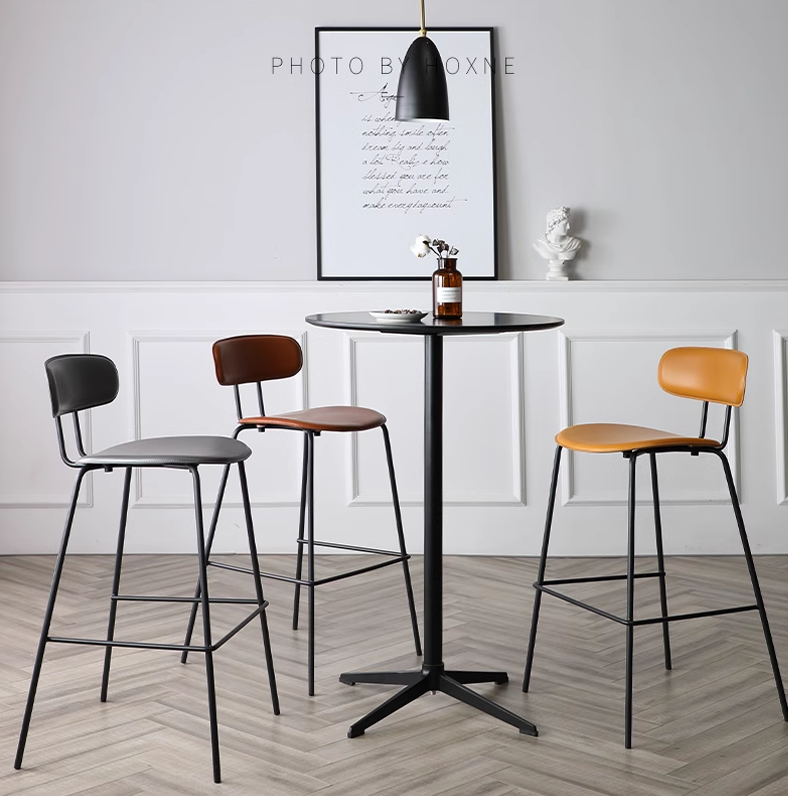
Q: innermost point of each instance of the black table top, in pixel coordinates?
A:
(470, 323)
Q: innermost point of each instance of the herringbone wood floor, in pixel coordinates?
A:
(711, 727)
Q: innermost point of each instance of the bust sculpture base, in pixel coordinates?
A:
(557, 271)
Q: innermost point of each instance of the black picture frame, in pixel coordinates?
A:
(362, 237)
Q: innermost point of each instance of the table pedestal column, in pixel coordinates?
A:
(433, 501)
(433, 676)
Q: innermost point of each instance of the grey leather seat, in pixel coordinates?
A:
(170, 451)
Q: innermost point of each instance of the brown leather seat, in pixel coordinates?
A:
(255, 359)
(322, 418)
(715, 375)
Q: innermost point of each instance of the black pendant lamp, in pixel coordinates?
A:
(422, 94)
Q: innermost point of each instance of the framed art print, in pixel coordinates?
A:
(382, 182)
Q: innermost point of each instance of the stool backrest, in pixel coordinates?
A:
(253, 359)
(78, 382)
(718, 375)
(256, 357)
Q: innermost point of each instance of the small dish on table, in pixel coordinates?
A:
(397, 316)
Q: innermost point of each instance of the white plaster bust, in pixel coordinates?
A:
(557, 246)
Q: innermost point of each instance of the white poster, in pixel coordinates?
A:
(381, 182)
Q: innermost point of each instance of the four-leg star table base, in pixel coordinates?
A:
(433, 678)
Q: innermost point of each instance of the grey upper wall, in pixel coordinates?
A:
(149, 139)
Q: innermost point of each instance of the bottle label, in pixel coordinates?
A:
(448, 295)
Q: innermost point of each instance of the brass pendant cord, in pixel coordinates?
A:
(423, 22)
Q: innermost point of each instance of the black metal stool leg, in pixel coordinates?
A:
(206, 622)
(630, 643)
(663, 592)
(300, 545)
(208, 545)
(755, 584)
(529, 660)
(401, 535)
(44, 637)
(269, 660)
(113, 606)
(310, 560)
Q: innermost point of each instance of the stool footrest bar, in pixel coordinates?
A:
(599, 578)
(144, 645)
(354, 548)
(97, 642)
(155, 599)
(656, 620)
(737, 609)
(317, 581)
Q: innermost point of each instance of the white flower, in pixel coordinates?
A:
(421, 248)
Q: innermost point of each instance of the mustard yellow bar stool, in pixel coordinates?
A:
(706, 374)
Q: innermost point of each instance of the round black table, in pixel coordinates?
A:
(433, 675)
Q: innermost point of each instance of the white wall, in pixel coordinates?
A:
(148, 139)
(505, 398)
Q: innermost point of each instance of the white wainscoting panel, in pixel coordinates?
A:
(386, 372)
(505, 399)
(28, 479)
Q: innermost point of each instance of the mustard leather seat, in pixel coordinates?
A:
(617, 438)
(709, 375)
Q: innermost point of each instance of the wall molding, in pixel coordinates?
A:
(82, 344)
(780, 338)
(360, 286)
(517, 495)
(352, 463)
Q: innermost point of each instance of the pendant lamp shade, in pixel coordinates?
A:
(422, 91)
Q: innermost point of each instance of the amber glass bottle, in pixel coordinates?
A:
(447, 289)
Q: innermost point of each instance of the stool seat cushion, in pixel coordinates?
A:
(619, 437)
(163, 451)
(323, 418)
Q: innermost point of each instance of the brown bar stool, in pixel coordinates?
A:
(254, 359)
(714, 375)
(83, 381)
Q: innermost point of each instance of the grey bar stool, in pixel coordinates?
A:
(83, 381)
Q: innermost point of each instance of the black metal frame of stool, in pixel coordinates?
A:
(306, 538)
(69, 396)
(546, 586)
